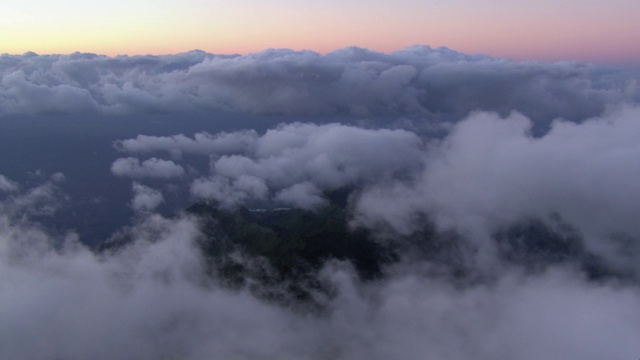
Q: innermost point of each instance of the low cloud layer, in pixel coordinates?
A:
(153, 300)
(488, 173)
(352, 81)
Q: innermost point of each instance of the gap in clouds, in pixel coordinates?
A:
(80, 146)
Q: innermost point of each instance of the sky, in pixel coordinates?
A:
(507, 190)
(586, 30)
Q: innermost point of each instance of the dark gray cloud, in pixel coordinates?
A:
(417, 80)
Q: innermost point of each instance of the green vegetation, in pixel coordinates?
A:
(292, 240)
(278, 252)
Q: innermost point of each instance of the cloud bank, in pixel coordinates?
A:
(153, 300)
(352, 81)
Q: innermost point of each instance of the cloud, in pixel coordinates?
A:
(294, 159)
(230, 192)
(417, 80)
(488, 173)
(487, 170)
(202, 143)
(491, 171)
(304, 196)
(150, 168)
(145, 199)
(7, 185)
(58, 177)
(152, 300)
(21, 95)
(40, 200)
(155, 298)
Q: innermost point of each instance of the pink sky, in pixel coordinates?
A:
(588, 30)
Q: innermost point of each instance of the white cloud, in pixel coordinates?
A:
(487, 173)
(145, 198)
(491, 172)
(150, 168)
(228, 192)
(202, 143)
(303, 196)
(326, 157)
(41, 200)
(7, 185)
(155, 299)
(66, 303)
(58, 177)
(417, 80)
